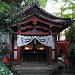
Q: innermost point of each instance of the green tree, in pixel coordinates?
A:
(69, 6)
(9, 12)
(4, 14)
(67, 9)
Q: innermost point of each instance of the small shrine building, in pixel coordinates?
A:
(37, 33)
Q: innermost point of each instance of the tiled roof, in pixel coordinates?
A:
(36, 10)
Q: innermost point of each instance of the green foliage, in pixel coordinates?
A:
(27, 2)
(56, 0)
(67, 9)
(43, 3)
(40, 2)
(4, 70)
(68, 5)
(4, 48)
(4, 7)
(4, 14)
(9, 13)
(67, 15)
(70, 34)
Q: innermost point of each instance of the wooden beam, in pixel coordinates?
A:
(37, 19)
(33, 33)
(28, 26)
(48, 23)
(38, 26)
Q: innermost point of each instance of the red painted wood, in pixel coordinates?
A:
(18, 56)
(37, 19)
(47, 54)
(64, 45)
(28, 26)
(12, 56)
(56, 47)
(45, 28)
(33, 33)
(66, 49)
(50, 55)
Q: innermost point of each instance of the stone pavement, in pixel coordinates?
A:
(36, 68)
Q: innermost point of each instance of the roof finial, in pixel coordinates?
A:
(36, 1)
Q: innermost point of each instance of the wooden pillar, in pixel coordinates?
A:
(66, 49)
(47, 54)
(59, 37)
(50, 55)
(12, 54)
(18, 56)
(56, 50)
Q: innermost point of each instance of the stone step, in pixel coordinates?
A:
(34, 74)
(35, 70)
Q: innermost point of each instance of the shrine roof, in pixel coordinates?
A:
(36, 10)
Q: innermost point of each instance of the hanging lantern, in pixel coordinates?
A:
(27, 48)
(41, 48)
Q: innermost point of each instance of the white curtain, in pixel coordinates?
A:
(45, 40)
(24, 40)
